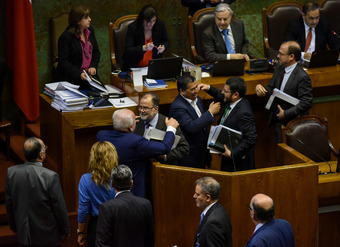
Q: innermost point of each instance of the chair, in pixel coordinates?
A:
(309, 136)
(274, 23)
(58, 25)
(117, 36)
(200, 21)
(330, 11)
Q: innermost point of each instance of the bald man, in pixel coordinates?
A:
(268, 230)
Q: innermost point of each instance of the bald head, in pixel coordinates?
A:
(124, 120)
(34, 149)
(263, 207)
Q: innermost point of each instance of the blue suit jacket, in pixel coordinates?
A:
(195, 129)
(278, 233)
(134, 151)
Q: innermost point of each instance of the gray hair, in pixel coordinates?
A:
(123, 119)
(223, 7)
(121, 178)
(210, 186)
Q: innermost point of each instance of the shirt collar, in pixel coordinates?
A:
(232, 105)
(258, 226)
(307, 27)
(208, 207)
(189, 100)
(290, 68)
(154, 121)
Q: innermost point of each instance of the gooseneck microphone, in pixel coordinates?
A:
(337, 35)
(306, 146)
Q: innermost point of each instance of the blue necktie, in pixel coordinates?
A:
(202, 216)
(227, 42)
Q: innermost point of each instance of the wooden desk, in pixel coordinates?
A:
(70, 137)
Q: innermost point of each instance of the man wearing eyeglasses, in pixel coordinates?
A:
(290, 78)
(35, 204)
(268, 230)
(150, 118)
(237, 115)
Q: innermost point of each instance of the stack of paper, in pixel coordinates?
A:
(151, 83)
(280, 98)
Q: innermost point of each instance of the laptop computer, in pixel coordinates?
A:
(322, 59)
(167, 69)
(233, 67)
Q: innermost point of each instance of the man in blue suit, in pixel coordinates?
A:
(268, 231)
(134, 150)
(188, 110)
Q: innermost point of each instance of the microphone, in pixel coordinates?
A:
(306, 146)
(337, 35)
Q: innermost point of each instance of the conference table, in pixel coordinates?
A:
(71, 135)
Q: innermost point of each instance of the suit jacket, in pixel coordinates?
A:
(241, 119)
(135, 39)
(35, 205)
(195, 129)
(134, 151)
(299, 85)
(278, 233)
(213, 43)
(126, 220)
(215, 228)
(195, 5)
(70, 57)
(179, 151)
(323, 35)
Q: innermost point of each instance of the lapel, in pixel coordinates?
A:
(206, 217)
(232, 113)
(219, 40)
(191, 110)
(291, 79)
(140, 128)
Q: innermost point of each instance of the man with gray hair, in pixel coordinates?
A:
(214, 228)
(126, 220)
(225, 39)
(134, 150)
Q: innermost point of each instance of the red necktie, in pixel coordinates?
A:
(308, 39)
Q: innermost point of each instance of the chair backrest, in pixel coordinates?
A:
(200, 21)
(58, 25)
(274, 23)
(330, 10)
(309, 136)
(117, 36)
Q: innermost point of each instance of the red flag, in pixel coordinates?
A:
(21, 56)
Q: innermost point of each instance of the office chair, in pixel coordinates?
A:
(329, 10)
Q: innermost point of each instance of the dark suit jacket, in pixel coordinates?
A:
(135, 40)
(195, 5)
(126, 220)
(179, 151)
(70, 57)
(214, 46)
(278, 233)
(241, 119)
(35, 205)
(134, 151)
(323, 35)
(195, 130)
(299, 85)
(215, 228)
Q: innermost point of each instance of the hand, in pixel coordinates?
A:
(239, 56)
(148, 46)
(307, 56)
(171, 122)
(204, 87)
(160, 49)
(227, 152)
(281, 114)
(260, 90)
(83, 76)
(81, 239)
(137, 118)
(92, 71)
(214, 108)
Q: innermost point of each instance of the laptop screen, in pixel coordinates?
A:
(165, 68)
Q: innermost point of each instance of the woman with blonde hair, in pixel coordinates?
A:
(95, 188)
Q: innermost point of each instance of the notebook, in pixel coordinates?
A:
(166, 69)
(322, 59)
(233, 67)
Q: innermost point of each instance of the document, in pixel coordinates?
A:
(122, 102)
(158, 135)
(280, 98)
(223, 135)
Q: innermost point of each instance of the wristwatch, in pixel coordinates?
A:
(78, 232)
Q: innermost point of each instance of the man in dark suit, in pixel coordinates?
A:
(35, 204)
(311, 32)
(195, 5)
(290, 78)
(214, 228)
(134, 150)
(225, 39)
(126, 220)
(237, 115)
(188, 110)
(150, 118)
(268, 231)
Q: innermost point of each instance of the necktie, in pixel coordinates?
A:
(308, 39)
(194, 105)
(147, 125)
(225, 114)
(227, 42)
(282, 75)
(202, 216)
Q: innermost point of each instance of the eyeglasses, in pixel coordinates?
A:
(145, 108)
(281, 54)
(227, 91)
(250, 207)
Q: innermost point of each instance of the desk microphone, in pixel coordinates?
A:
(306, 146)
(337, 35)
